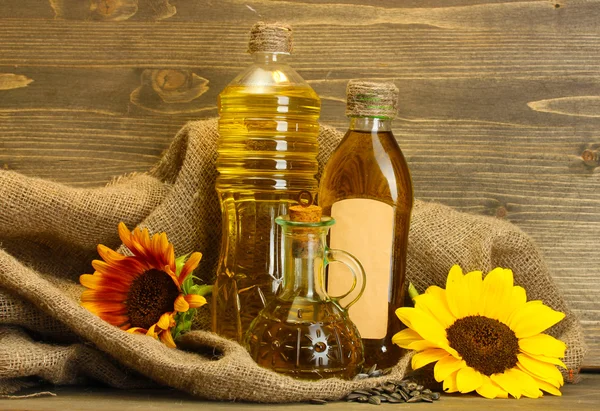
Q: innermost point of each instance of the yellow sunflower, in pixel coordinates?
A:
(149, 292)
(484, 336)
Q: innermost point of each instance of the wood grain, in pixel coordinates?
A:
(582, 396)
(499, 111)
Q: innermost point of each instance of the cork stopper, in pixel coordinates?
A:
(310, 214)
(305, 211)
(270, 38)
(371, 99)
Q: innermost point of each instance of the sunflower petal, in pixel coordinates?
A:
(518, 298)
(167, 339)
(496, 293)
(137, 330)
(468, 379)
(533, 318)
(507, 383)
(98, 307)
(173, 276)
(96, 295)
(426, 326)
(194, 300)
(436, 305)
(102, 283)
(543, 344)
(108, 254)
(151, 331)
(421, 345)
(549, 388)
(550, 360)
(529, 387)
(554, 382)
(181, 305)
(405, 337)
(164, 321)
(456, 293)
(115, 319)
(450, 385)
(540, 369)
(474, 285)
(446, 366)
(190, 265)
(423, 358)
(489, 389)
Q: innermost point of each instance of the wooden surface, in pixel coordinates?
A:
(583, 396)
(500, 107)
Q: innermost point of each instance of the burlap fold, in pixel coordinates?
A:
(48, 235)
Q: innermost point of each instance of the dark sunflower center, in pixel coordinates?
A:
(150, 295)
(485, 344)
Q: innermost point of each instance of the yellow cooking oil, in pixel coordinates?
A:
(268, 126)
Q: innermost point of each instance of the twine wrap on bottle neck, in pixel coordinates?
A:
(270, 38)
(371, 99)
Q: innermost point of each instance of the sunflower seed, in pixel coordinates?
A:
(418, 398)
(364, 398)
(361, 392)
(387, 396)
(317, 401)
(419, 388)
(427, 398)
(426, 391)
(372, 369)
(387, 371)
(404, 395)
(415, 393)
(374, 400)
(360, 377)
(375, 374)
(353, 396)
(397, 396)
(435, 395)
(389, 389)
(411, 386)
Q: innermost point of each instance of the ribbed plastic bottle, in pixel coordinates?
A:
(268, 125)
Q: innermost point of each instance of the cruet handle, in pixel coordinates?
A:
(356, 268)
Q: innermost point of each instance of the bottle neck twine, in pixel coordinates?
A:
(270, 38)
(371, 99)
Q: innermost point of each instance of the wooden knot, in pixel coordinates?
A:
(591, 158)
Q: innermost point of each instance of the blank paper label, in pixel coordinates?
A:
(364, 228)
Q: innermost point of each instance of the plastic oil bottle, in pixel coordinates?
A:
(268, 125)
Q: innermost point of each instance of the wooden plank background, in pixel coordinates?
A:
(500, 100)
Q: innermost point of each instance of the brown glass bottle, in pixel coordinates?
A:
(366, 186)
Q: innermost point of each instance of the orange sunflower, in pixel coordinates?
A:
(149, 292)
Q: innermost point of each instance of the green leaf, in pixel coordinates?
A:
(412, 291)
(187, 284)
(183, 322)
(180, 262)
(202, 290)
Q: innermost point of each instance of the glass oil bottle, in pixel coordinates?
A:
(268, 125)
(366, 186)
(303, 332)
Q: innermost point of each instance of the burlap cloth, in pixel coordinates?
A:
(48, 236)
